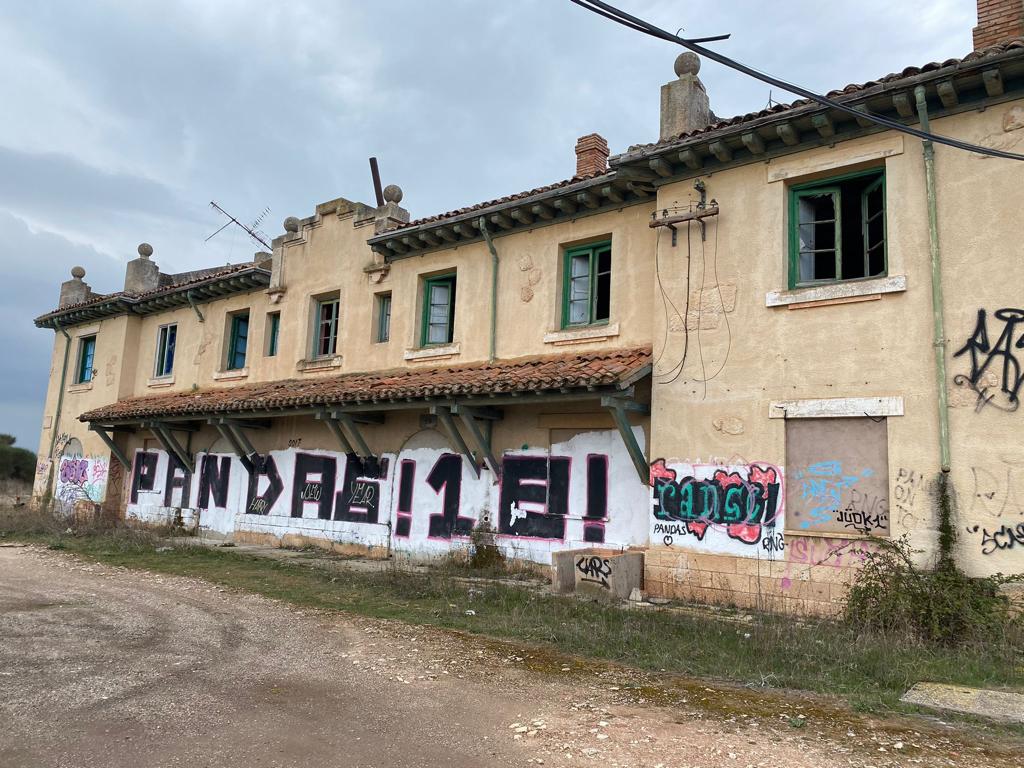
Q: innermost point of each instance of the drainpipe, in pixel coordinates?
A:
(938, 328)
(494, 283)
(192, 303)
(60, 403)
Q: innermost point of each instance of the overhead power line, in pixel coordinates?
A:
(637, 24)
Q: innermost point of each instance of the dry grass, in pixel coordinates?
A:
(869, 671)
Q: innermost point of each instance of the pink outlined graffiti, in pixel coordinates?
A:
(741, 506)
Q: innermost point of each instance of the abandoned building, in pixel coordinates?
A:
(747, 350)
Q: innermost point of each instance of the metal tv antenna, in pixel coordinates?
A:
(251, 230)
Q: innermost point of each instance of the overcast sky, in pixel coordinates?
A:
(122, 121)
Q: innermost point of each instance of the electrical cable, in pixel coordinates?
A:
(637, 24)
(664, 297)
(666, 300)
(700, 306)
(728, 325)
(677, 370)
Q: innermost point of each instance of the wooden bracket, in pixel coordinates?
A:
(481, 441)
(618, 407)
(336, 430)
(346, 421)
(444, 415)
(162, 432)
(109, 441)
(228, 434)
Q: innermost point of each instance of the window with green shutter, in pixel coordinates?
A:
(837, 229)
(238, 341)
(438, 310)
(166, 340)
(273, 331)
(587, 285)
(327, 315)
(383, 318)
(86, 359)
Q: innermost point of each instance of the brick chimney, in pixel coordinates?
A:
(591, 155)
(998, 21)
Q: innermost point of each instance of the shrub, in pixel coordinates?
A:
(893, 596)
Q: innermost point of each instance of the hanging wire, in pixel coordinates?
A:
(666, 299)
(677, 369)
(633, 22)
(728, 325)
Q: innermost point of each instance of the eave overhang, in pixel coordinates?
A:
(972, 84)
(172, 297)
(585, 197)
(504, 382)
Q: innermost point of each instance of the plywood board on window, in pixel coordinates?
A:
(837, 476)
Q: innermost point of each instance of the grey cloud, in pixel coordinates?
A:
(152, 109)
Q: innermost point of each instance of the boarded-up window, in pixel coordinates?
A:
(837, 476)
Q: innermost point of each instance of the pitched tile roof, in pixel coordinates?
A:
(518, 375)
(849, 91)
(501, 200)
(169, 284)
(1016, 44)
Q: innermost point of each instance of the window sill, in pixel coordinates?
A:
(836, 407)
(237, 373)
(319, 364)
(432, 353)
(583, 334)
(161, 381)
(836, 293)
(83, 386)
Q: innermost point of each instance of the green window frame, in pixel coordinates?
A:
(273, 331)
(166, 340)
(438, 325)
(587, 285)
(238, 341)
(86, 359)
(328, 314)
(383, 317)
(837, 229)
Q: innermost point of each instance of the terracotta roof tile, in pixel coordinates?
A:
(501, 200)
(524, 374)
(1016, 44)
(849, 90)
(178, 281)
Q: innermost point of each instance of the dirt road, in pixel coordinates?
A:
(101, 666)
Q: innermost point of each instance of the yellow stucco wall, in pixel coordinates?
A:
(874, 346)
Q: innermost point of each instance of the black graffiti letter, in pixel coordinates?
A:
(178, 477)
(446, 475)
(213, 478)
(143, 473)
(358, 500)
(406, 478)
(597, 498)
(262, 504)
(538, 481)
(319, 491)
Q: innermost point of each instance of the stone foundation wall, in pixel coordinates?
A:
(811, 578)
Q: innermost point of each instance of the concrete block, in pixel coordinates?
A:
(605, 573)
(995, 705)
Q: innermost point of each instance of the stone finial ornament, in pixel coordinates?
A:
(393, 193)
(78, 272)
(684, 102)
(687, 63)
(291, 224)
(145, 250)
